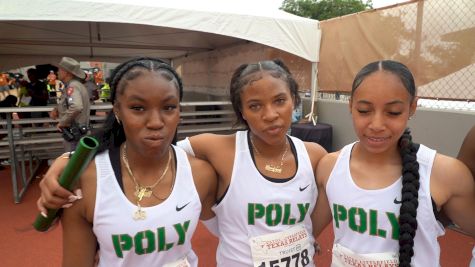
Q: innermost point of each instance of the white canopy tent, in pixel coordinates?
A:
(33, 31)
(39, 32)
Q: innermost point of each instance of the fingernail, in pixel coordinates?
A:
(65, 206)
(78, 193)
(44, 214)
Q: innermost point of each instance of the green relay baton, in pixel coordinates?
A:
(84, 153)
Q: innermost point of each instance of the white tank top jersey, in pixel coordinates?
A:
(365, 222)
(163, 238)
(271, 219)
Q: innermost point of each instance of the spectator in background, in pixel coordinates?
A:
(98, 77)
(38, 92)
(4, 85)
(105, 91)
(8, 102)
(91, 89)
(52, 81)
(15, 82)
(23, 95)
(73, 107)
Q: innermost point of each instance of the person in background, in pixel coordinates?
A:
(52, 88)
(105, 91)
(73, 109)
(4, 84)
(98, 77)
(91, 89)
(9, 102)
(467, 156)
(38, 92)
(385, 192)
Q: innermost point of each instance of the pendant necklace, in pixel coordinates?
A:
(142, 191)
(269, 166)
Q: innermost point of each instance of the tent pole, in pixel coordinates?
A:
(312, 116)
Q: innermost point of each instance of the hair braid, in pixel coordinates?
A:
(409, 198)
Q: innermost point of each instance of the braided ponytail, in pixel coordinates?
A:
(409, 198)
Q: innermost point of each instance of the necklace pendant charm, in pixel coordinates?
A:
(274, 169)
(147, 192)
(139, 214)
(140, 192)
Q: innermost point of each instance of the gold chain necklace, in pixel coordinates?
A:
(140, 190)
(269, 166)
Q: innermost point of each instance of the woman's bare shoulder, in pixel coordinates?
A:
(315, 152)
(325, 167)
(459, 173)
(204, 175)
(205, 145)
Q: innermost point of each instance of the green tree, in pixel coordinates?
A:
(325, 9)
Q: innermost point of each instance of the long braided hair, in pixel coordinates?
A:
(410, 166)
(248, 73)
(112, 133)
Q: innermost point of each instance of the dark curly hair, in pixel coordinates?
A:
(247, 73)
(410, 166)
(112, 133)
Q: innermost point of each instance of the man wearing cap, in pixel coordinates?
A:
(73, 106)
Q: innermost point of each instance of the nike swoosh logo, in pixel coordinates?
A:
(182, 207)
(303, 188)
(397, 201)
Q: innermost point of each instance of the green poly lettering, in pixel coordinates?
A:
(339, 214)
(278, 214)
(287, 220)
(393, 219)
(121, 243)
(373, 225)
(139, 244)
(352, 222)
(303, 209)
(254, 210)
(181, 231)
(162, 242)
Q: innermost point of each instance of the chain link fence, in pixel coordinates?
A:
(434, 38)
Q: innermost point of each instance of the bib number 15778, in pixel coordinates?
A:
(298, 259)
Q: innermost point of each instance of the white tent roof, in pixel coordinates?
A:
(35, 32)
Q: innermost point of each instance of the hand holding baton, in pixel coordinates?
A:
(84, 153)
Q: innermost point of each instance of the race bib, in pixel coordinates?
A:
(344, 257)
(179, 263)
(288, 248)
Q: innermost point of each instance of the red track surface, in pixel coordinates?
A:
(20, 245)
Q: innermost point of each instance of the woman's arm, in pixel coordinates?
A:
(322, 215)
(206, 183)
(467, 151)
(79, 241)
(453, 188)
